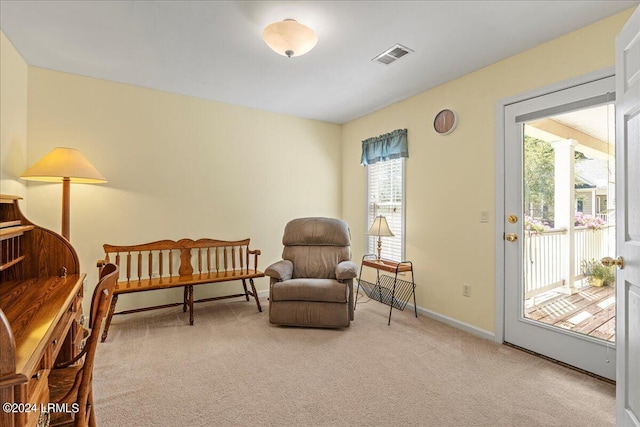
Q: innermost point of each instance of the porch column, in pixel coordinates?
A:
(564, 208)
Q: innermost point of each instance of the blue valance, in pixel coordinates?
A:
(392, 145)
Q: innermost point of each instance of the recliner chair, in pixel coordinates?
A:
(313, 284)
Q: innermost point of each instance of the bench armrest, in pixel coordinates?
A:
(346, 270)
(281, 270)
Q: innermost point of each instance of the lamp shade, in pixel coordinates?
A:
(289, 38)
(380, 227)
(64, 163)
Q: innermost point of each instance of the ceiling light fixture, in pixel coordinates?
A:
(289, 38)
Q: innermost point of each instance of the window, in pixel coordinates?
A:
(385, 196)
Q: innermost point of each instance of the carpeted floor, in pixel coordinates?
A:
(232, 368)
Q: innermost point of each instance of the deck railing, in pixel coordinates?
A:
(543, 254)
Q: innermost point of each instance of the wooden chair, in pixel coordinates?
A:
(70, 382)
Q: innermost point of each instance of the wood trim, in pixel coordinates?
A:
(170, 244)
(8, 232)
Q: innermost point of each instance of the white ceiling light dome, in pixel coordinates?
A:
(289, 38)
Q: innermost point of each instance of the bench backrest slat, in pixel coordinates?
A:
(185, 262)
(233, 257)
(150, 263)
(186, 257)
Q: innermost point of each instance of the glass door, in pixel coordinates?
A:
(569, 221)
(560, 204)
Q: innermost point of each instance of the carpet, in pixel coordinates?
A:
(232, 368)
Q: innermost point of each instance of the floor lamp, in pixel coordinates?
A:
(379, 228)
(64, 165)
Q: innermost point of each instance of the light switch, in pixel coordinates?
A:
(484, 215)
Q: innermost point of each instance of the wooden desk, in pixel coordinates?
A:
(45, 325)
(40, 313)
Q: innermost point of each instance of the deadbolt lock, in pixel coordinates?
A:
(511, 237)
(512, 219)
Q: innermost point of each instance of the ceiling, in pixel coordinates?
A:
(214, 50)
(598, 122)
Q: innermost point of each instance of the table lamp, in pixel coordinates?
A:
(67, 165)
(380, 228)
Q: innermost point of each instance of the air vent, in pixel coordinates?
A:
(392, 54)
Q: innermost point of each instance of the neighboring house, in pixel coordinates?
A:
(593, 183)
(592, 186)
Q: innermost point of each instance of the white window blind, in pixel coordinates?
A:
(385, 196)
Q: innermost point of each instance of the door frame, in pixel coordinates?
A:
(501, 104)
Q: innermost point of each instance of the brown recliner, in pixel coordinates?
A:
(313, 284)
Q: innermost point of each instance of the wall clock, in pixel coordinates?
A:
(445, 122)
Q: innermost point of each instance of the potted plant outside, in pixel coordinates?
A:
(597, 274)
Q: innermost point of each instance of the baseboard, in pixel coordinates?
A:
(473, 330)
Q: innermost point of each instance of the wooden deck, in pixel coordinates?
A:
(591, 311)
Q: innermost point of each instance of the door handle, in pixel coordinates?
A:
(511, 237)
(610, 262)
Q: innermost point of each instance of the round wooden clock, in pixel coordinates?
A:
(445, 122)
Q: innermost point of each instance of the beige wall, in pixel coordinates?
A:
(450, 179)
(177, 167)
(13, 119)
(183, 167)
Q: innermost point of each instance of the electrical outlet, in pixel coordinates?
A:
(466, 290)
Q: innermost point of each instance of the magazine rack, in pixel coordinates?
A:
(389, 290)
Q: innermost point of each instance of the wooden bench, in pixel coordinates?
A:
(167, 264)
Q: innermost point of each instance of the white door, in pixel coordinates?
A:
(543, 251)
(628, 217)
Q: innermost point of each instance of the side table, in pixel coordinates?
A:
(388, 290)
